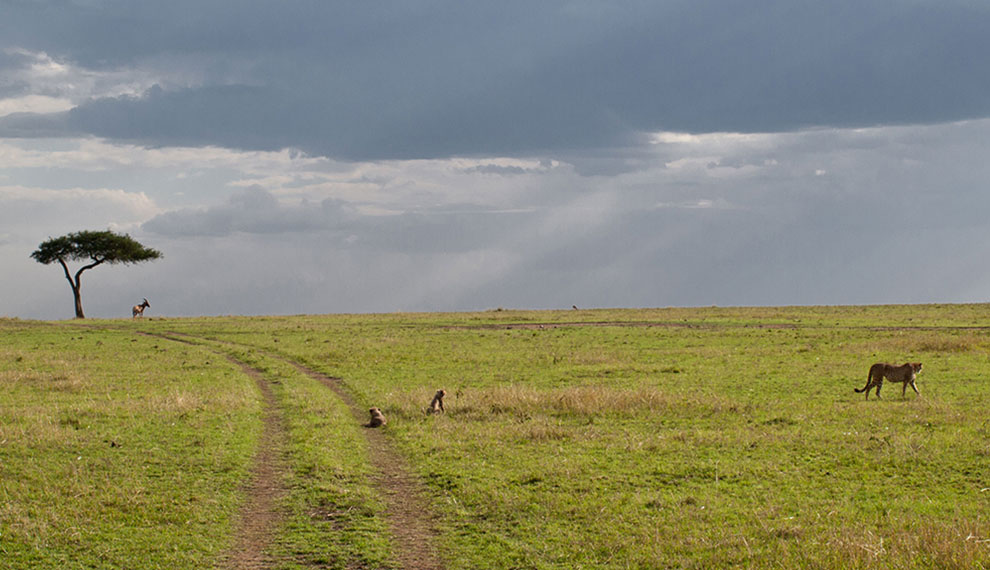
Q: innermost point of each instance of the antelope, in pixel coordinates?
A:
(138, 310)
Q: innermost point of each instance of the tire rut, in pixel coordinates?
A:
(260, 516)
(408, 514)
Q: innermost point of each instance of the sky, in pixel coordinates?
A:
(317, 156)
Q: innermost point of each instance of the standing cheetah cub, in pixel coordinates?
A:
(436, 405)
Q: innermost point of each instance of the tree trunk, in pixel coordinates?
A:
(78, 297)
(76, 294)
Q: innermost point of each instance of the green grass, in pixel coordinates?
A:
(116, 448)
(691, 438)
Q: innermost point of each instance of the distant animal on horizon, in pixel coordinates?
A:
(574, 307)
(906, 374)
(436, 405)
(138, 310)
(377, 418)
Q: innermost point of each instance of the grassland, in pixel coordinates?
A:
(691, 438)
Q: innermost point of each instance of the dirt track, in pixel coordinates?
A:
(408, 509)
(259, 517)
(408, 512)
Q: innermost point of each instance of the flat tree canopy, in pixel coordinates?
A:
(96, 247)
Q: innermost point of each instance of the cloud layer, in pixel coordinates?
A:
(833, 216)
(890, 214)
(435, 79)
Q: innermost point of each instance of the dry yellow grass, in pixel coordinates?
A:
(586, 401)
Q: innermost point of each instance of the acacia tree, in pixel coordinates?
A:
(96, 247)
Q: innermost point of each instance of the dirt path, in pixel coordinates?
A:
(260, 516)
(409, 515)
(408, 512)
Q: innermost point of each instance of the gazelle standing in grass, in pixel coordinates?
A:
(138, 310)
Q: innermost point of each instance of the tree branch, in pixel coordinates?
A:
(68, 276)
(85, 267)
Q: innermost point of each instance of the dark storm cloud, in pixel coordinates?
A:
(10, 84)
(436, 78)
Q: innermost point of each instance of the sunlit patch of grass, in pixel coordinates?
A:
(63, 381)
(933, 342)
(589, 401)
(907, 345)
(965, 344)
(921, 544)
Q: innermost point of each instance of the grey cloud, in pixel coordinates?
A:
(496, 169)
(441, 78)
(691, 257)
(30, 214)
(508, 170)
(438, 233)
(11, 85)
(35, 125)
(897, 215)
(257, 212)
(252, 211)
